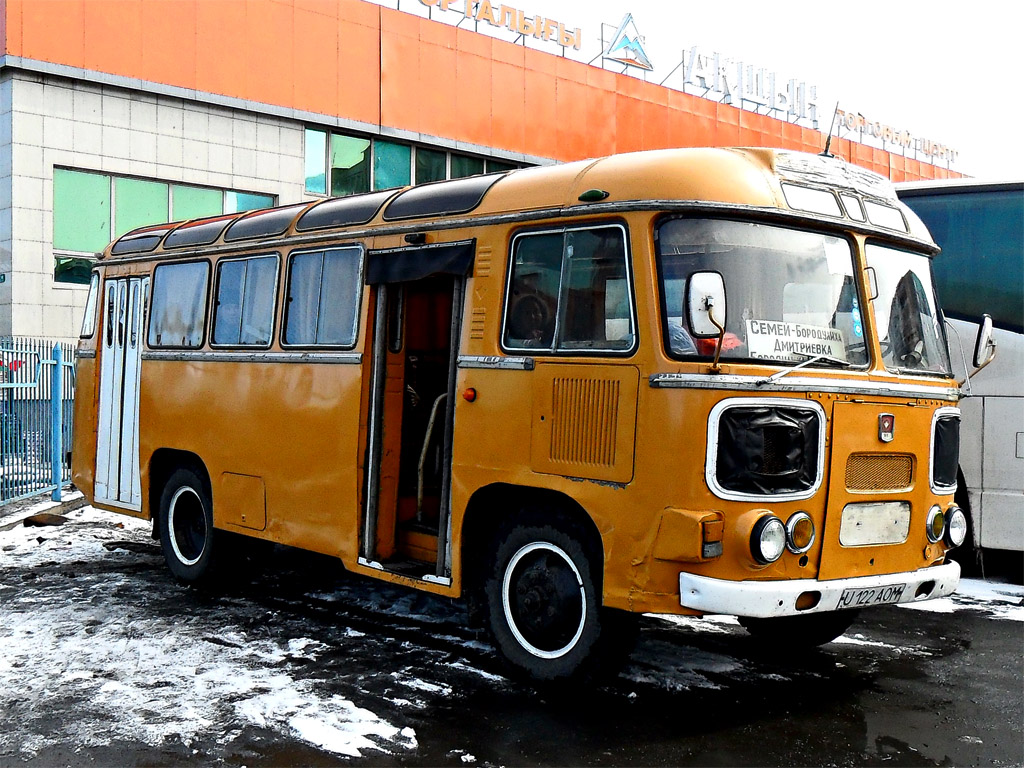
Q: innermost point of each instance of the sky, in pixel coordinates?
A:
(946, 71)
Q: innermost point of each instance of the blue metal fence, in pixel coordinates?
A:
(37, 392)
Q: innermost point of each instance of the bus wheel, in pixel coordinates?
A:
(804, 631)
(186, 527)
(543, 609)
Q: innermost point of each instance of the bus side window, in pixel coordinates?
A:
(324, 291)
(178, 314)
(244, 308)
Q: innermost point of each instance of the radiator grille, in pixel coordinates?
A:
(879, 471)
(584, 417)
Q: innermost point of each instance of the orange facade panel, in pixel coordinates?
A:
(359, 61)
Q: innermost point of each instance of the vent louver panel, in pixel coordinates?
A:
(584, 419)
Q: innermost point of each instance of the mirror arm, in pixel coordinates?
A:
(715, 367)
(982, 366)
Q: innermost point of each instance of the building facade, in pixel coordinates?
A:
(119, 113)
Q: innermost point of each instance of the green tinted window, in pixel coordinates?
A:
(138, 203)
(392, 165)
(195, 202)
(350, 165)
(236, 202)
(493, 166)
(72, 270)
(430, 165)
(81, 211)
(316, 159)
(466, 166)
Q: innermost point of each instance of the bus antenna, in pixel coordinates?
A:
(828, 141)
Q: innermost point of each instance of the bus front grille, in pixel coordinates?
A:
(879, 472)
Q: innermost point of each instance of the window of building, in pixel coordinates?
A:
(431, 165)
(81, 211)
(316, 159)
(138, 202)
(244, 309)
(91, 209)
(323, 295)
(195, 202)
(464, 165)
(495, 166)
(392, 165)
(570, 292)
(356, 165)
(237, 202)
(178, 310)
(350, 165)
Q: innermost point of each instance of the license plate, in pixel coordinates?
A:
(861, 598)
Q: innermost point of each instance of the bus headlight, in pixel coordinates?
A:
(768, 539)
(956, 526)
(799, 533)
(936, 524)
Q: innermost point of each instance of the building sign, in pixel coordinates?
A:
(627, 46)
(748, 87)
(513, 19)
(854, 121)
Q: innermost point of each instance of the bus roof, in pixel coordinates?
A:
(667, 179)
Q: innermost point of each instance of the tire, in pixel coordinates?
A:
(543, 606)
(187, 536)
(800, 632)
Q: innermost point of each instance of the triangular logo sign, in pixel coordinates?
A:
(627, 46)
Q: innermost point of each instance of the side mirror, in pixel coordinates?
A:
(985, 347)
(705, 304)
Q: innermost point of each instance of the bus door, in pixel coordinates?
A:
(117, 444)
(418, 319)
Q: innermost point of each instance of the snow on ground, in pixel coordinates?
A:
(999, 601)
(145, 676)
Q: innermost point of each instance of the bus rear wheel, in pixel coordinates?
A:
(803, 631)
(186, 527)
(543, 608)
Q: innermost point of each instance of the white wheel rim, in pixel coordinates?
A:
(171, 529)
(507, 605)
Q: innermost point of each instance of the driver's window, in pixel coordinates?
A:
(569, 291)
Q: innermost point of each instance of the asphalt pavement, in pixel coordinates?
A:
(107, 661)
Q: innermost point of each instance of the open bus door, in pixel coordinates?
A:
(417, 326)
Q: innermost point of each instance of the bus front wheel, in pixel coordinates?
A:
(186, 527)
(543, 607)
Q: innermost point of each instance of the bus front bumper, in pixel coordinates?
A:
(766, 599)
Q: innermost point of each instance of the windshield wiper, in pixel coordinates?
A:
(811, 360)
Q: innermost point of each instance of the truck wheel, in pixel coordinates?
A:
(543, 609)
(186, 527)
(804, 631)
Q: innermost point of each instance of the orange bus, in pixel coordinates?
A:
(693, 381)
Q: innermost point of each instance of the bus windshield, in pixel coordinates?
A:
(791, 295)
(906, 314)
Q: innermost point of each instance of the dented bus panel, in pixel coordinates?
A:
(682, 381)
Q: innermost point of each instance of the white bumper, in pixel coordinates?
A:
(765, 599)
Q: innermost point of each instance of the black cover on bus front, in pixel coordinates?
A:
(767, 450)
(403, 265)
(442, 198)
(946, 458)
